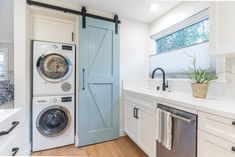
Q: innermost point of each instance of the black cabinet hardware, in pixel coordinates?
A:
(83, 13)
(15, 151)
(72, 36)
(233, 123)
(14, 124)
(137, 113)
(134, 111)
(83, 17)
(83, 79)
(233, 148)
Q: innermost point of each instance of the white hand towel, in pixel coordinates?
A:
(164, 128)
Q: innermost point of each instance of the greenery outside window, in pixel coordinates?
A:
(194, 34)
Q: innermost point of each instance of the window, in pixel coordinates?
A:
(194, 34)
(173, 45)
(3, 63)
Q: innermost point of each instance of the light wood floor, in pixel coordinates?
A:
(122, 147)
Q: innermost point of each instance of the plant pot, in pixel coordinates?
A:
(199, 90)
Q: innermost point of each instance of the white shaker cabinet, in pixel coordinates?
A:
(53, 29)
(213, 146)
(147, 131)
(222, 33)
(10, 132)
(140, 123)
(216, 136)
(131, 122)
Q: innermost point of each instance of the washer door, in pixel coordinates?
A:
(53, 121)
(54, 67)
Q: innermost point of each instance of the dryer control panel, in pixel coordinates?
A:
(66, 99)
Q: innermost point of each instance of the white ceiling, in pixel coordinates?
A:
(132, 9)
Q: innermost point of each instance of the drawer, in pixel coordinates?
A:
(11, 146)
(141, 101)
(216, 125)
(10, 134)
(213, 146)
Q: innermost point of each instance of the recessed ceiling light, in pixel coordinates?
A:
(154, 7)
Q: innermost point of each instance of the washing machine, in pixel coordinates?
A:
(52, 122)
(53, 68)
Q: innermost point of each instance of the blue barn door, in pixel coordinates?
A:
(98, 95)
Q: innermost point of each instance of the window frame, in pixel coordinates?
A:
(166, 51)
(5, 53)
(200, 16)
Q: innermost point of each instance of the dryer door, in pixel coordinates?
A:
(54, 67)
(53, 121)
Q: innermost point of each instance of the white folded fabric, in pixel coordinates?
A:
(164, 128)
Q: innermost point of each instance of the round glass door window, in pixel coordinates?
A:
(53, 121)
(54, 67)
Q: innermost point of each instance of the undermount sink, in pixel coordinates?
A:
(155, 89)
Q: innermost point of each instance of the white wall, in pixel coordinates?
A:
(6, 30)
(177, 61)
(134, 54)
(6, 18)
(22, 71)
(176, 15)
(134, 48)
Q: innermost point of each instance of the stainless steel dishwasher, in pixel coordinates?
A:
(184, 134)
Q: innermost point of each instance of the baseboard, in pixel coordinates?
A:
(25, 151)
(121, 132)
(76, 141)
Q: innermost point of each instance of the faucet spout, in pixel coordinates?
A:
(164, 85)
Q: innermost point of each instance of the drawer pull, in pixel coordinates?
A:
(15, 151)
(233, 123)
(14, 124)
(233, 148)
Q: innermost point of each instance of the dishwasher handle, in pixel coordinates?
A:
(182, 118)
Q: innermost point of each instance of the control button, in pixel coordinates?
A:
(54, 100)
(55, 46)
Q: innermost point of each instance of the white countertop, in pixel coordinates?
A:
(214, 105)
(7, 113)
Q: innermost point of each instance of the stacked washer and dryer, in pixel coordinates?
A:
(53, 95)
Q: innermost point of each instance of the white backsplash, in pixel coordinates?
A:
(216, 88)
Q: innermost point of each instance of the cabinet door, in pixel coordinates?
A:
(213, 146)
(147, 131)
(131, 123)
(222, 34)
(50, 29)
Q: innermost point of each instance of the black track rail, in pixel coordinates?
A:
(81, 13)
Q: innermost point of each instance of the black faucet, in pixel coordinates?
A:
(164, 84)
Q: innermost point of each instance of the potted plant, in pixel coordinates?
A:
(200, 78)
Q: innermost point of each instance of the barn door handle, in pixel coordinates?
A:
(83, 79)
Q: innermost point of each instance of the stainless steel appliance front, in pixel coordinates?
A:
(184, 134)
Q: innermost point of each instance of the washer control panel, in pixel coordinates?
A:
(66, 99)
